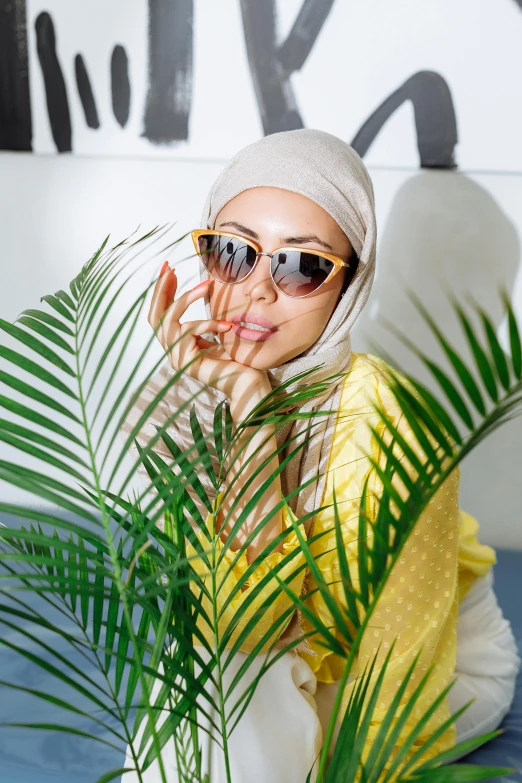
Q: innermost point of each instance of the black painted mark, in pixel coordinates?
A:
(435, 119)
(120, 85)
(16, 131)
(271, 65)
(169, 95)
(55, 90)
(85, 92)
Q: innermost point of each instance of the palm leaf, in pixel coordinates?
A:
(444, 448)
(60, 339)
(463, 372)
(138, 602)
(515, 340)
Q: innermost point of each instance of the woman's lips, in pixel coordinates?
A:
(253, 335)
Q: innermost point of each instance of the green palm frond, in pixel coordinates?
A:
(56, 351)
(134, 593)
(115, 642)
(443, 445)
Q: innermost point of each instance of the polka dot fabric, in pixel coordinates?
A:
(419, 604)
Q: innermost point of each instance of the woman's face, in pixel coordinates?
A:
(274, 217)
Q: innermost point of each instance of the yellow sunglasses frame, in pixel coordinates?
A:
(338, 262)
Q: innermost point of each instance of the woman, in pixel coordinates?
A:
(309, 190)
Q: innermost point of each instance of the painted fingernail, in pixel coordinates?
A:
(164, 267)
(200, 285)
(228, 323)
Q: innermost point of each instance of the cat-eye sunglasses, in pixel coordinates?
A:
(295, 272)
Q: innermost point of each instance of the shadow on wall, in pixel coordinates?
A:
(446, 233)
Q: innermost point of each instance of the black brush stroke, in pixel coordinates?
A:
(16, 128)
(271, 65)
(435, 119)
(55, 90)
(120, 85)
(169, 96)
(85, 92)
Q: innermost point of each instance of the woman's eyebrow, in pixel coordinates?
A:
(284, 240)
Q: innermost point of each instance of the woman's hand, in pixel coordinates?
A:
(213, 366)
(244, 385)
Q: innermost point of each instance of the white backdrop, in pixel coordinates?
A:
(459, 229)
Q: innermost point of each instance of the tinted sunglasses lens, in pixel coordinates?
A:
(226, 259)
(298, 274)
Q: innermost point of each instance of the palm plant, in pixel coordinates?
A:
(142, 586)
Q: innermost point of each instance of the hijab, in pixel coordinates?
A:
(328, 171)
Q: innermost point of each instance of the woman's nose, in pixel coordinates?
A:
(259, 283)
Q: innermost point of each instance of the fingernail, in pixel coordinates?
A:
(164, 267)
(200, 285)
(228, 323)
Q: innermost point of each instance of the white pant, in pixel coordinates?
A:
(487, 662)
(280, 734)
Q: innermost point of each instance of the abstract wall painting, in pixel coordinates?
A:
(169, 75)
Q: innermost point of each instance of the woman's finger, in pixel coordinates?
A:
(203, 343)
(162, 296)
(212, 350)
(178, 307)
(171, 328)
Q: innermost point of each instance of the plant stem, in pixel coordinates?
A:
(114, 555)
(218, 662)
(252, 449)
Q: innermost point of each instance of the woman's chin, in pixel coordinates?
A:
(255, 355)
(263, 355)
(258, 359)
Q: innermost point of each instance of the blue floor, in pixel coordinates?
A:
(48, 757)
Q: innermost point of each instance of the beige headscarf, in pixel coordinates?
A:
(329, 172)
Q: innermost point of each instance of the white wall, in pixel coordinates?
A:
(435, 228)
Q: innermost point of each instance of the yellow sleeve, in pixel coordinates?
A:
(230, 600)
(419, 607)
(475, 559)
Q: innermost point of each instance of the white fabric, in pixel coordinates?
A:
(487, 662)
(277, 738)
(280, 735)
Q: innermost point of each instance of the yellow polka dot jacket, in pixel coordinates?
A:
(419, 603)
